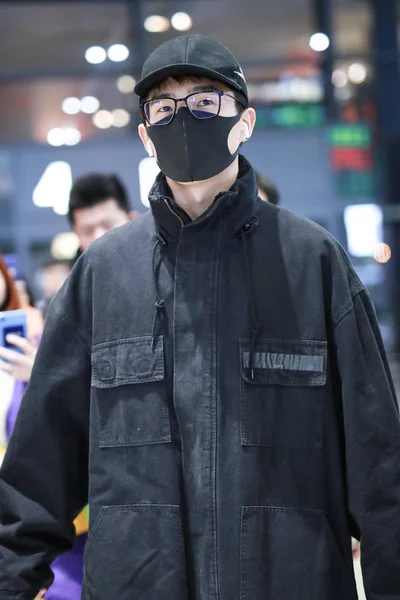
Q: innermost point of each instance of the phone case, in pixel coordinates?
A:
(12, 321)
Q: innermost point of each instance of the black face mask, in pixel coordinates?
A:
(190, 149)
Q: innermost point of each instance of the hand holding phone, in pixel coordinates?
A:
(12, 322)
(17, 354)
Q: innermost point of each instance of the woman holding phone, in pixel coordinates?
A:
(17, 364)
(9, 300)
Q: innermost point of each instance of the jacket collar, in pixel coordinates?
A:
(236, 206)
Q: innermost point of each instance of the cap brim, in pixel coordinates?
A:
(144, 86)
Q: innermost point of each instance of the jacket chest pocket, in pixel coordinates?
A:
(282, 402)
(128, 383)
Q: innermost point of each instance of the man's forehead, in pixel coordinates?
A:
(175, 87)
(101, 208)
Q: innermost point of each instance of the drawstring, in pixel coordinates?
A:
(255, 323)
(159, 304)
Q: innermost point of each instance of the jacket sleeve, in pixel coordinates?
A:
(44, 476)
(372, 446)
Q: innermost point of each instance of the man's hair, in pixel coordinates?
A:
(95, 188)
(268, 187)
(240, 99)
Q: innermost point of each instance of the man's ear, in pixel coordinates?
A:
(248, 123)
(146, 141)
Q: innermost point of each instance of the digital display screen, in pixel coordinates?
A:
(290, 115)
(352, 160)
(364, 229)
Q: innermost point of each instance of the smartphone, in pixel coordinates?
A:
(12, 321)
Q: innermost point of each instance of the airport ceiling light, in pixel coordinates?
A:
(319, 42)
(156, 24)
(95, 55)
(181, 21)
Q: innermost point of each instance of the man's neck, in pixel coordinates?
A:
(195, 198)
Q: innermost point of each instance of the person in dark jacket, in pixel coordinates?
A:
(212, 380)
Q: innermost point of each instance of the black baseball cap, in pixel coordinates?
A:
(192, 55)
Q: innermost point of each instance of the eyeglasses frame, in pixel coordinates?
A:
(220, 93)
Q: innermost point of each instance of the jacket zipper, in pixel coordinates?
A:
(174, 213)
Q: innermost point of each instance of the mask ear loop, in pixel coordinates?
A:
(149, 149)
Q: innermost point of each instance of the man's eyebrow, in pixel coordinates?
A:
(161, 96)
(197, 88)
(202, 87)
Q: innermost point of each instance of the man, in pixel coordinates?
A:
(213, 373)
(98, 203)
(267, 190)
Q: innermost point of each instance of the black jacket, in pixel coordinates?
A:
(219, 391)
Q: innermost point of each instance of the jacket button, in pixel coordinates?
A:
(106, 370)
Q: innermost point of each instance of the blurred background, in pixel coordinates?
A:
(323, 75)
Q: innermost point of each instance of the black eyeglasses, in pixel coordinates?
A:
(202, 105)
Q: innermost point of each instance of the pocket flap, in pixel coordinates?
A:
(285, 362)
(133, 360)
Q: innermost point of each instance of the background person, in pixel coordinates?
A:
(18, 365)
(267, 190)
(15, 295)
(9, 297)
(98, 203)
(9, 300)
(52, 276)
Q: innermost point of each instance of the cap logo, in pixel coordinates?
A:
(241, 74)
